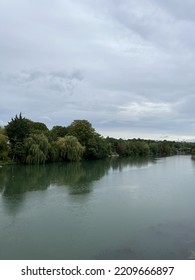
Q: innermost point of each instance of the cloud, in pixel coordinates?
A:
(120, 64)
(59, 81)
(179, 9)
(139, 111)
(37, 92)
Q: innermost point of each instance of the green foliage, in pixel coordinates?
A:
(3, 148)
(57, 131)
(164, 148)
(53, 153)
(154, 149)
(17, 129)
(36, 149)
(143, 148)
(31, 142)
(97, 148)
(140, 147)
(70, 148)
(37, 127)
(82, 130)
(2, 130)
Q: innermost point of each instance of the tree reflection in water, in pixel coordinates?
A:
(77, 177)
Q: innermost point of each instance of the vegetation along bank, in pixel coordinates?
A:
(25, 141)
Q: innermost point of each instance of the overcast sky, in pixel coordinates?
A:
(127, 66)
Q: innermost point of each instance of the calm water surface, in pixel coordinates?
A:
(111, 209)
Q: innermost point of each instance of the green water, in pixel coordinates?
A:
(111, 209)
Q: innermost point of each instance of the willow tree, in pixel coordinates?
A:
(70, 148)
(36, 149)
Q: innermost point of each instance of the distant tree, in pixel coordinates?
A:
(164, 148)
(133, 149)
(121, 147)
(112, 144)
(154, 149)
(143, 148)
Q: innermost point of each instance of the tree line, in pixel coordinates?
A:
(25, 141)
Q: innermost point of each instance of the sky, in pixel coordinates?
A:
(126, 66)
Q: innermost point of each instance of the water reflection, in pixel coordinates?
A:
(77, 177)
(134, 162)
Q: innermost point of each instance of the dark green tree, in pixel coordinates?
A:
(164, 148)
(37, 127)
(57, 131)
(98, 148)
(154, 149)
(17, 130)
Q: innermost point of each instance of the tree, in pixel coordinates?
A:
(37, 127)
(154, 149)
(53, 153)
(98, 148)
(36, 149)
(95, 145)
(17, 130)
(58, 131)
(143, 148)
(70, 148)
(164, 148)
(82, 130)
(121, 147)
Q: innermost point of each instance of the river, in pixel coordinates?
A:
(108, 209)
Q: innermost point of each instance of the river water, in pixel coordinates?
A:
(108, 209)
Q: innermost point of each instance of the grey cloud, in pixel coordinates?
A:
(152, 21)
(182, 10)
(61, 81)
(120, 64)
